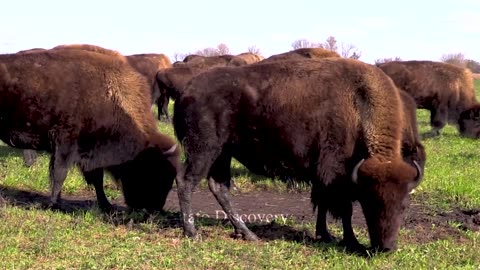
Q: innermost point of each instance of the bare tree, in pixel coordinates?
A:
(222, 49)
(348, 51)
(303, 43)
(331, 44)
(457, 59)
(254, 49)
(386, 60)
(179, 56)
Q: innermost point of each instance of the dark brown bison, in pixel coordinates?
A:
(303, 53)
(337, 123)
(443, 89)
(172, 80)
(91, 110)
(148, 65)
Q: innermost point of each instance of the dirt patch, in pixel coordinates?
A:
(476, 76)
(269, 213)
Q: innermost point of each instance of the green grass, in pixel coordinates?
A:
(41, 239)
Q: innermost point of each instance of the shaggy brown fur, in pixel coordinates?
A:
(145, 64)
(148, 65)
(443, 89)
(303, 53)
(91, 110)
(91, 48)
(250, 58)
(306, 120)
(172, 80)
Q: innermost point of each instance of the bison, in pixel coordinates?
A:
(303, 53)
(90, 110)
(445, 90)
(148, 65)
(339, 124)
(172, 80)
(145, 64)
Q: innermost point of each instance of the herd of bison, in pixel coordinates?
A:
(347, 128)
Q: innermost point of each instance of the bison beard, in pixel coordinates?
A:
(92, 110)
(310, 120)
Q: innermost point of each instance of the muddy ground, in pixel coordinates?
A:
(266, 212)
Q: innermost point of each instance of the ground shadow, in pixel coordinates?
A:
(7, 151)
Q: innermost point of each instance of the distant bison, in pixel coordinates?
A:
(242, 59)
(172, 80)
(443, 89)
(91, 110)
(148, 65)
(303, 53)
(338, 123)
(34, 50)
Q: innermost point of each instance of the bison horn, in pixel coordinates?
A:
(355, 171)
(171, 150)
(419, 171)
(415, 183)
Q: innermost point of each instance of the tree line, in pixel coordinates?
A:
(331, 43)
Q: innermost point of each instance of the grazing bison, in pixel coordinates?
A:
(443, 89)
(146, 64)
(338, 123)
(90, 110)
(303, 53)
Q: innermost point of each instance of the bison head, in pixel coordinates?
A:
(147, 179)
(383, 194)
(469, 123)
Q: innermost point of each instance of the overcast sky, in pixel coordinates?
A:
(408, 29)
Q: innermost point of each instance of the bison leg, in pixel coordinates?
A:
(438, 119)
(59, 165)
(219, 183)
(162, 106)
(321, 229)
(95, 178)
(349, 239)
(29, 157)
(186, 182)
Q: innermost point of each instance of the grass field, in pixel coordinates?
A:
(34, 238)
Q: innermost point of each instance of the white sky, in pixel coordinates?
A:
(408, 29)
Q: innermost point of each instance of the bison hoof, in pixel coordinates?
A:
(251, 237)
(191, 234)
(107, 208)
(354, 247)
(54, 206)
(326, 239)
